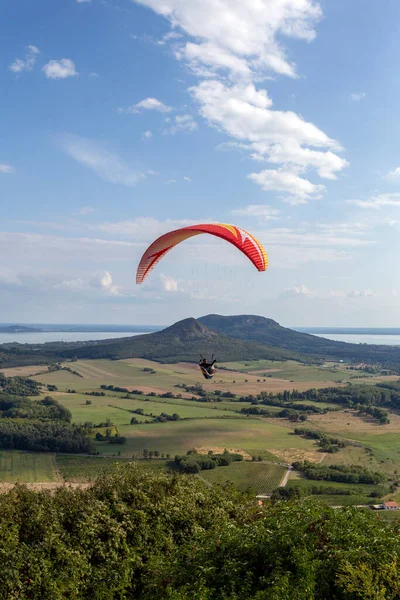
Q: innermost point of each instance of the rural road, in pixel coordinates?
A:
(286, 477)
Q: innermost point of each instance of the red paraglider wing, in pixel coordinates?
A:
(240, 238)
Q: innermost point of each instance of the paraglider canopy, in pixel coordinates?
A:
(240, 238)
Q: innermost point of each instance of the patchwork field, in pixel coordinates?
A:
(332, 372)
(84, 468)
(261, 477)
(252, 435)
(27, 467)
(207, 425)
(130, 373)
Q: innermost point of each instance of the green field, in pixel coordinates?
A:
(27, 467)
(103, 407)
(249, 434)
(131, 373)
(360, 492)
(295, 371)
(86, 468)
(261, 477)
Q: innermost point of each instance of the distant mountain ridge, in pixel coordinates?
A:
(262, 330)
(230, 338)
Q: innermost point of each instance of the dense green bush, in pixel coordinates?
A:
(141, 535)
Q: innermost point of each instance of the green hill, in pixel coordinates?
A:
(185, 341)
(268, 332)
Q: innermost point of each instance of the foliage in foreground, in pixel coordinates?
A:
(139, 534)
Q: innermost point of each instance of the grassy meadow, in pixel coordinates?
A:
(27, 467)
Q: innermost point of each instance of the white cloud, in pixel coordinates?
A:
(82, 1)
(395, 174)
(105, 164)
(27, 63)
(147, 104)
(169, 181)
(141, 228)
(85, 210)
(147, 135)
(302, 290)
(245, 114)
(240, 37)
(378, 202)
(358, 96)
(232, 40)
(169, 284)
(257, 210)
(360, 293)
(187, 179)
(7, 169)
(184, 123)
(171, 35)
(106, 283)
(74, 284)
(300, 190)
(61, 69)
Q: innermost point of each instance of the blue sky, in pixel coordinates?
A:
(124, 119)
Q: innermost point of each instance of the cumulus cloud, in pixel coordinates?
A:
(184, 123)
(358, 96)
(257, 210)
(60, 69)
(239, 37)
(246, 114)
(147, 104)
(395, 174)
(27, 63)
(299, 190)
(147, 135)
(360, 293)
(106, 164)
(169, 284)
(7, 169)
(231, 41)
(187, 179)
(378, 202)
(106, 284)
(302, 290)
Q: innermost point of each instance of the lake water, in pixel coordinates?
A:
(388, 336)
(357, 338)
(65, 336)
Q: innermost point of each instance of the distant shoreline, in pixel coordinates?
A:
(349, 330)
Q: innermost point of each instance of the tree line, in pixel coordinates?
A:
(340, 473)
(143, 535)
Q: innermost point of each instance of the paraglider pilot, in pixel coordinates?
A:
(207, 368)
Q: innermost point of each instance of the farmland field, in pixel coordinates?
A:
(85, 468)
(210, 425)
(360, 492)
(260, 476)
(290, 370)
(251, 435)
(131, 373)
(103, 407)
(27, 467)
